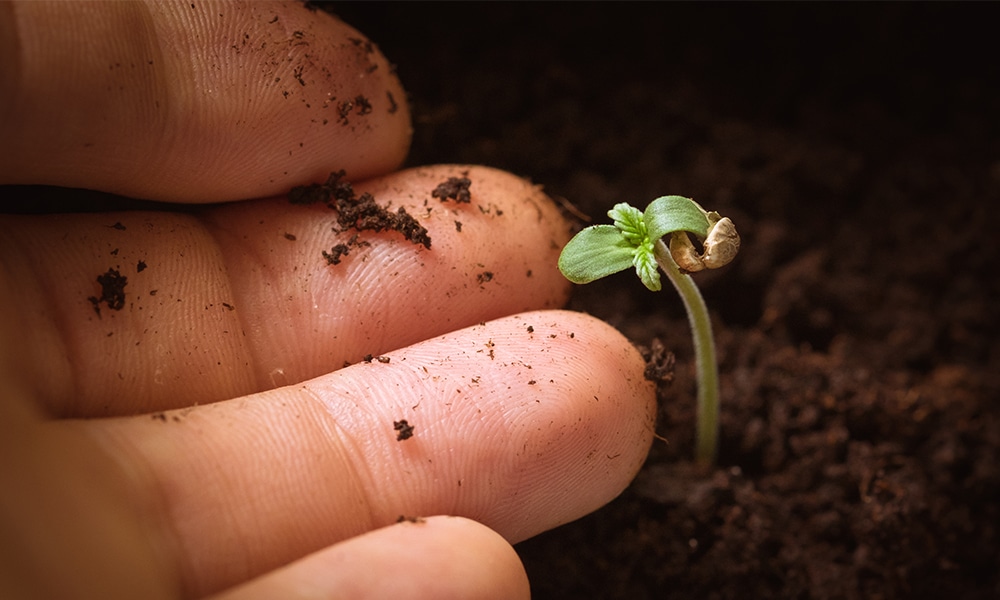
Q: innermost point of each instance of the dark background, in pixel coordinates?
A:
(480, 74)
(856, 147)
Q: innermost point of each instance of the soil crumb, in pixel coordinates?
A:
(404, 430)
(112, 291)
(455, 188)
(360, 213)
(339, 250)
(660, 362)
(408, 519)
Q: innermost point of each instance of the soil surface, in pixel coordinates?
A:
(857, 149)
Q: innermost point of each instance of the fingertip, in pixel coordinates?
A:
(194, 102)
(522, 423)
(600, 430)
(437, 557)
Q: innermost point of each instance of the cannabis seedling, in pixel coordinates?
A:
(636, 239)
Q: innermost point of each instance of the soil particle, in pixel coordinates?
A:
(333, 256)
(488, 209)
(112, 291)
(140, 266)
(359, 105)
(332, 191)
(344, 111)
(659, 362)
(366, 45)
(404, 430)
(360, 213)
(455, 188)
(484, 277)
(410, 228)
(409, 519)
(362, 105)
(343, 249)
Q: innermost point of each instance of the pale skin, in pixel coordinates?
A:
(206, 439)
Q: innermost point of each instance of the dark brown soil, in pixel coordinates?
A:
(360, 213)
(112, 291)
(857, 150)
(404, 430)
(454, 188)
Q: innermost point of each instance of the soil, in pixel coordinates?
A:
(454, 188)
(856, 149)
(112, 291)
(360, 213)
(404, 430)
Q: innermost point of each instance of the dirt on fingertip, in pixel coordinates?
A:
(454, 188)
(112, 284)
(404, 430)
(360, 213)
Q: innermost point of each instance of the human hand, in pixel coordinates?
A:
(197, 434)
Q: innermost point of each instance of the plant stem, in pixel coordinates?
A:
(707, 432)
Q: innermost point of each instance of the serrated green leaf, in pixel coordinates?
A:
(629, 220)
(595, 252)
(646, 268)
(667, 214)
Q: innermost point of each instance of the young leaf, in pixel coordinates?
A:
(595, 252)
(628, 219)
(646, 267)
(667, 214)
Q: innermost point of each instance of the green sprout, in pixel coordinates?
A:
(636, 240)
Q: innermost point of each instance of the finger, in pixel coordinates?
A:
(241, 298)
(522, 424)
(68, 526)
(192, 101)
(437, 557)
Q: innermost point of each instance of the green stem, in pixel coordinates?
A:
(706, 443)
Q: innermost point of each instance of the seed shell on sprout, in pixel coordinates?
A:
(684, 253)
(722, 244)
